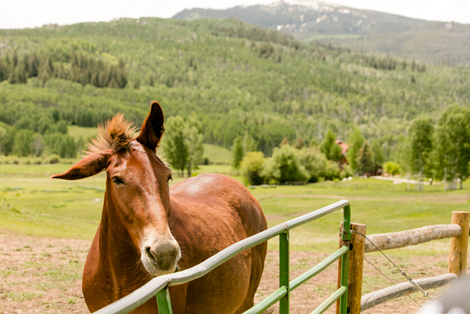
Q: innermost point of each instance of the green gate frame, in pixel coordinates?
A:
(159, 285)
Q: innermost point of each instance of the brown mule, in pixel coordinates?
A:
(148, 230)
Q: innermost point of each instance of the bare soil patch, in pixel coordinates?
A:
(43, 275)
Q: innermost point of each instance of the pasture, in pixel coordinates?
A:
(46, 227)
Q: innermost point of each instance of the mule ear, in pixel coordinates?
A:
(152, 129)
(86, 167)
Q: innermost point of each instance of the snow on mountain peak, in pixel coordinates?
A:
(312, 4)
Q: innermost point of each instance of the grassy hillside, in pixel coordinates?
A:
(361, 30)
(234, 77)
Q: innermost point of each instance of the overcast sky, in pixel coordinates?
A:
(34, 13)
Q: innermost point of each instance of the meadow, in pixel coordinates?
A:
(46, 227)
(33, 204)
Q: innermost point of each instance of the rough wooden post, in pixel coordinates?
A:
(356, 265)
(458, 245)
(356, 262)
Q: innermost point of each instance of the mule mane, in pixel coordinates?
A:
(115, 134)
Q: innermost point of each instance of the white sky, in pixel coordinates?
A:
(34, 13)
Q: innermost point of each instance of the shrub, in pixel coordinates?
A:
(251, 168)
(314, 163)
(392, 168)
(52, 159)
(284, 166)
(332, 170)
(37, 161)
(346, 172)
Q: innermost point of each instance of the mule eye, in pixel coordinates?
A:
(118, 180)
(170, 178)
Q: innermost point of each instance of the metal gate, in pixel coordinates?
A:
(159, 285)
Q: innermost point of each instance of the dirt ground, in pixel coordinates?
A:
(43, 275)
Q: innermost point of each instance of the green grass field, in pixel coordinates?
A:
(33, 204)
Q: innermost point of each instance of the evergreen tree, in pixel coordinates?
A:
(13, 77)
(237, 153)
(33, 65)
(330, 148)
(15, 59)
(26, 63)
(249, 143)
(356, 140)
(365, 160)
(113, 83)
(3, 70)
(21, 74)
(377, 154)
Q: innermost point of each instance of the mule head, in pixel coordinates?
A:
(137, 189)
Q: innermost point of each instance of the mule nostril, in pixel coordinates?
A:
(150, 254)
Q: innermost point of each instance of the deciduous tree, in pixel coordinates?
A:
(453, 144)
(174, 145)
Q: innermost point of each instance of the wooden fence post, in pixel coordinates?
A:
(356, 263)
(458, 245)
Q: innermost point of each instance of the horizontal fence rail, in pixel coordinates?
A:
(396, 240)
(458, 232)
(156, 285)
(402, 289)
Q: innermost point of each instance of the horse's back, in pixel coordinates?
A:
(211, 213)
(206, 192)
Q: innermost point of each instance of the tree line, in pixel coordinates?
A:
(53, 139)
(438, 151)
(82, 68)
(431, 151)
(390, 63)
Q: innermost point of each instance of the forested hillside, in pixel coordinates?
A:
(233, 77)
(370, 31)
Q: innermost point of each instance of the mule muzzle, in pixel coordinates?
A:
(161, 258)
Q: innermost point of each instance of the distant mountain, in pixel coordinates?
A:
(361, 30)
